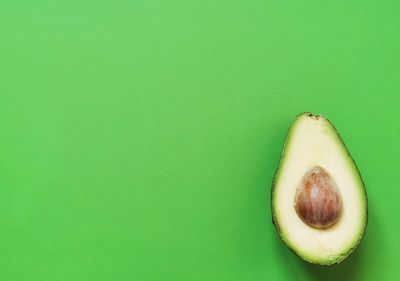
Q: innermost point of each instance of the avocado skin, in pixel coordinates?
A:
(343, 256)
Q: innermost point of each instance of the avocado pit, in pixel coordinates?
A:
(318, 202)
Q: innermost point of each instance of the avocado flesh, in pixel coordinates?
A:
(313, 141)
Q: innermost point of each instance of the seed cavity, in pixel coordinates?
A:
(318, 201)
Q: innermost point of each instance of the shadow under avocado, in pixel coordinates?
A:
(344, 271)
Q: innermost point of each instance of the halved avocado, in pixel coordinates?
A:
(319, 202)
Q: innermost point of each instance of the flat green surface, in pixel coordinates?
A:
(139, 139)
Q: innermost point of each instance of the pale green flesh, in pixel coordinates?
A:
(312, 140)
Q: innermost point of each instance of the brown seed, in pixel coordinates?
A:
(318, 201)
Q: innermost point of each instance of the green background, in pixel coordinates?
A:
(139, 139)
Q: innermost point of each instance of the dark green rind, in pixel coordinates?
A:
(345, 255)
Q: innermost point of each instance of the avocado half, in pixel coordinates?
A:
(319, 202)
